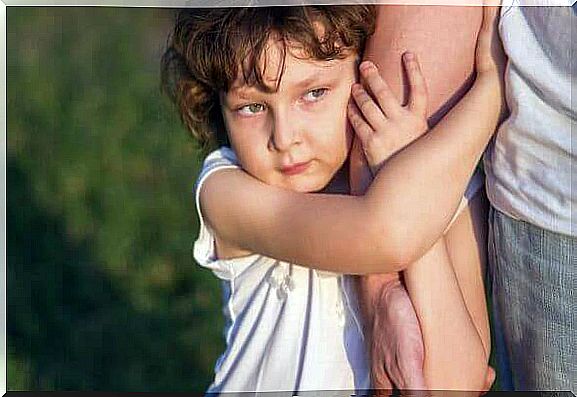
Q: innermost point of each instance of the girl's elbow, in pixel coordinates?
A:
(399, 245)
(390, 245)
(394, 255)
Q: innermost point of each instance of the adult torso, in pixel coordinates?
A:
(530, 164)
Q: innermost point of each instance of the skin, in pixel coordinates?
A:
(297, 123)
(431, 282)
(421, 28)
(392, 207)
(290, 136)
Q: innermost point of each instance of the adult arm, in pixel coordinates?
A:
(444, 39)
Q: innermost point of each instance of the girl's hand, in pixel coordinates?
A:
(489, 54)
(382, 124)
(490, 58)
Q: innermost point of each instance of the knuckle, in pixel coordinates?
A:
(359, 95)
(378, 139)
(365, 102)
(382, 93)
(353, 118)
(371, 72)
(415, 65)
(404, 115)
(357, 124)
(370, 137)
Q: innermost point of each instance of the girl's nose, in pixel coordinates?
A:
(284, 132)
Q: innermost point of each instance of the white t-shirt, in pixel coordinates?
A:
(289, 328)
(531, 163)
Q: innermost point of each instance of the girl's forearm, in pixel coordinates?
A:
(418, 190)
(406, 209)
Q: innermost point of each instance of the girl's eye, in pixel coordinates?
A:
(251, 109)
(315, 95)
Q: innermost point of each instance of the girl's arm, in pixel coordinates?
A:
(454, 355)
(304, 228)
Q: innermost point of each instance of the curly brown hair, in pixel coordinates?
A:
(207, 47)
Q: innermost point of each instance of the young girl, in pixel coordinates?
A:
(278, 81)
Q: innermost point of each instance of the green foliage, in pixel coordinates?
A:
(103, 293)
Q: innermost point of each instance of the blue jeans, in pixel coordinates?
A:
(533, 281)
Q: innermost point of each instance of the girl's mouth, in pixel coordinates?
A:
(295, 169)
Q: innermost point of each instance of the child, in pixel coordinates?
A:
(278, 81)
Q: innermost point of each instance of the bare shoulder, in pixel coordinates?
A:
(218, 210)
(238, 209)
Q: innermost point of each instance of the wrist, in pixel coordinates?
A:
(492, 83)
(488, 76)
(375, 168)
(376, 165)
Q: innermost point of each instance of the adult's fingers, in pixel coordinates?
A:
(404, 351)
(379, 377)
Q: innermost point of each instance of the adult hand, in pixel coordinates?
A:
(396, 344)
(490, 57)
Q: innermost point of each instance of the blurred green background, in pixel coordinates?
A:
(103, 293)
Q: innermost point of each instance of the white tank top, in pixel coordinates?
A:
(289, 328)
(531, 165)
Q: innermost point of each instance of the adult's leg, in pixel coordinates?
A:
(533, 274)
(435, 34)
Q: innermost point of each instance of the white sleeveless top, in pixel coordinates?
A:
(531, 163)
(289, 328)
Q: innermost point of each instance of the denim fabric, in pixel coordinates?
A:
(532, 281)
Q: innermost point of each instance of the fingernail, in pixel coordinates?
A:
(409, 56)
(366, 65)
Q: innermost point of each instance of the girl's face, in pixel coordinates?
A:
(298, 136)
